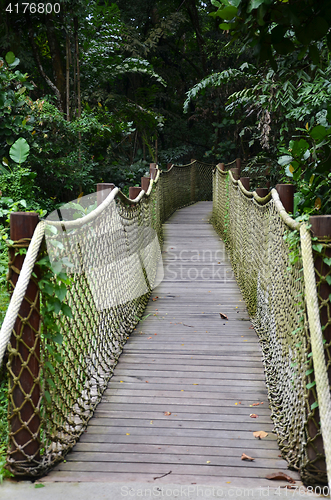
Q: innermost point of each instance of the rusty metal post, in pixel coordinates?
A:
(245, 182)
(134, 191)
(235, 173)
(286, 195)
(221, 166)
(169, 165)
(262, 192)
(152, 170)
(145, 183)
(24, 423)
(321, 228)
(103, 190)
(238, 166)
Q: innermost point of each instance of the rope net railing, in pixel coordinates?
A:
(112, 260)
(272, 259)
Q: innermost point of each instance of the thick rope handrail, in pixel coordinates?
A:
(321, 376)
(20, 288)
(89, 217)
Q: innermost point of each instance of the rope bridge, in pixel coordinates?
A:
(56, 381)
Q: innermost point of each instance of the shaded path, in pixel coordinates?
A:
(180, 397)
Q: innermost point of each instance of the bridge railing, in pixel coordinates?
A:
(272, 259)
(58, 370)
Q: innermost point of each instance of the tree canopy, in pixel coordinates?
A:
(98, 90)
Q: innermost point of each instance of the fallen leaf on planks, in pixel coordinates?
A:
(281, 476)
(223, 316)
(246, 457)
(253, 415)
(167, 413)
(260, 434)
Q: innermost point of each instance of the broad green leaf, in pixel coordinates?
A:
(314, 405)
(57, 267)
(327, 261)
(10, 57)
(310, 385)
(48, 396)
(254, 4)
(285, 160)
(19, 151)
(317, 247)
(49, 365)
(299, 147)
(328, 280)
(226, 26)
(58, 338)
(228, 13)
(61, 292)
(67, 311)
(284, 47)
(318, 133)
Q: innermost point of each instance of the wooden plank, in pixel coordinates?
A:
(191, 375)
(180, 382)
(263, 422)
(255, 392)
(100, 419)
(238, 435)
(220, 396)
(150, 481)
(242, 470)
(93, 437)
(172, 449)
(174, 459)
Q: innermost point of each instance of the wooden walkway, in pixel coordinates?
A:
(179, 403)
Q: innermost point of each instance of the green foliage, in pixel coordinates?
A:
(296, 27)
(19, 151)
(4, 473)
(14, 116)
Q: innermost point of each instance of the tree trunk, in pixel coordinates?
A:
(68, 76)
(39, 65)
(194, 16)
(78, 69)
(57, 57)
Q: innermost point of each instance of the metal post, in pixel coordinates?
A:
(262, 192)
(238, 166)
(24, 422)
(103, 190)
(221, 166)
(286, 195)
(235, 173)
(152, 170)
(169, 165)
(321, 228)
(133, 192)
(245, 182)
(145, 183)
